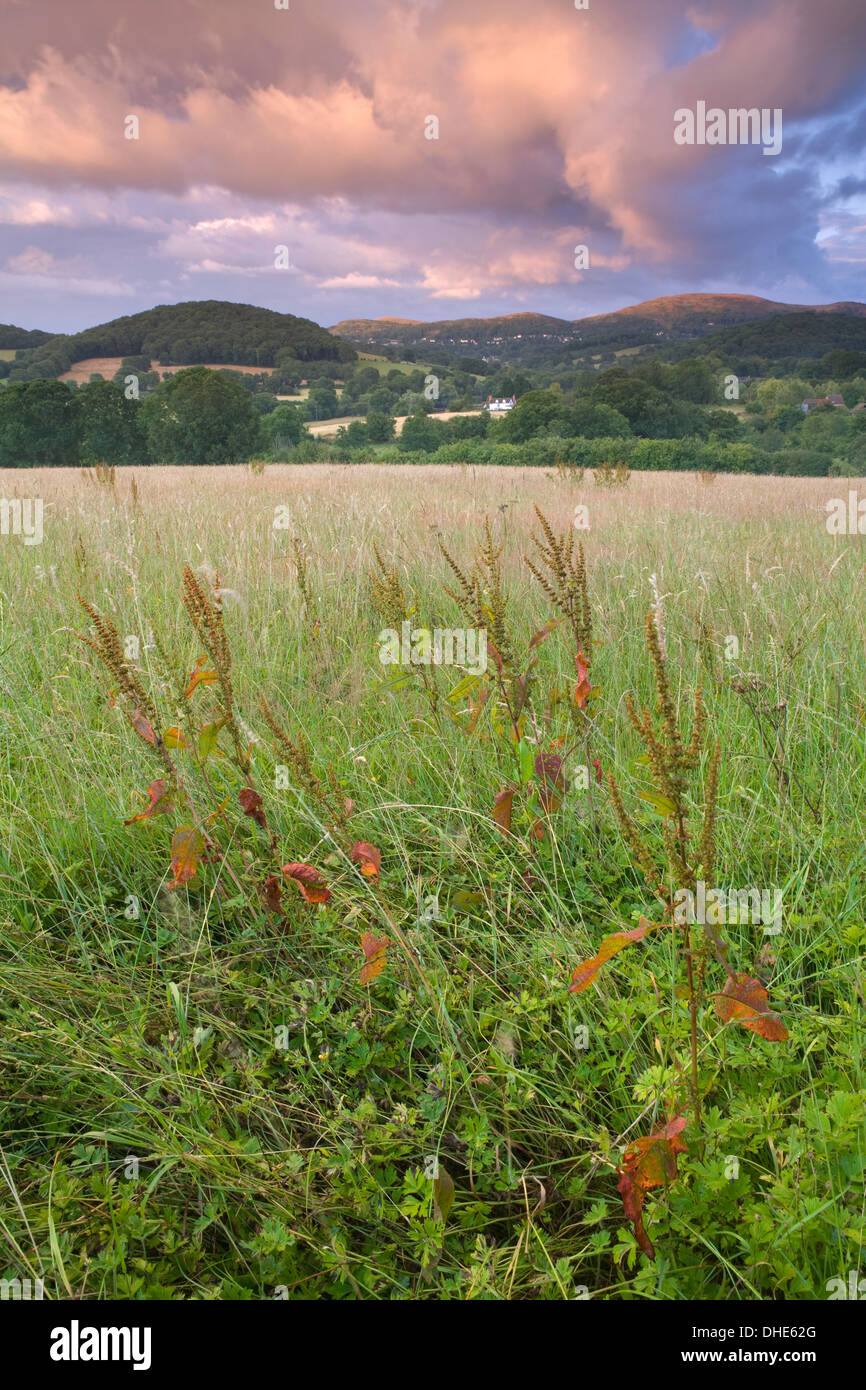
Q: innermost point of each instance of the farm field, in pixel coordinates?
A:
(325, 429)
(324, 1044)
(107, 367)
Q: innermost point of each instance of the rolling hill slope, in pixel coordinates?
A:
(12, 337)
(674, 319)
(193, 332)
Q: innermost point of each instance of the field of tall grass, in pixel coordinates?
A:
(316, 1026)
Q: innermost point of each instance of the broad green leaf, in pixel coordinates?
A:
(526, 756)
(398, 681)
(662, 804)
(207, 739)
(464, 900)
(443, 1193)
(463, 687)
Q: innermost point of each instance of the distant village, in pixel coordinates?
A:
(814, 401)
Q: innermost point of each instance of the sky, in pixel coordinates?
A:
(422, 159)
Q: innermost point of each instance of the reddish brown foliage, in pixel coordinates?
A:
(161, 800)
(309, 881)
(649, 1162)
(202, 674)
(368, 859)
(610, 946)
(274, 894)
(744, 1000)
(374, 956)
(187, 848)
(142, 725)
(502, 805)
(251, 805)
(583, 689)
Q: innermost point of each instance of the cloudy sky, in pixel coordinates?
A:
(307, 128)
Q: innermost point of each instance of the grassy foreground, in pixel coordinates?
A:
(198, 1096)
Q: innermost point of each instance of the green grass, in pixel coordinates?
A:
(161, 1138)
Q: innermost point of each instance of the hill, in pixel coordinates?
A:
(12, 337)
(196, 331)
(674, 319)
(809, 334)
(454, 333)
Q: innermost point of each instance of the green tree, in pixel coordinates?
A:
(364, 379)
(777, 391)
(322, 402)
(381, 401)
(354, 435)
(283, 381)
(724, 423)
(651, 413)
(843, 363)
(422, 434)
(787, 417)
(534, 412)
(693, 380)
(470, 426)
(596, 421)
(39, 425)
(827, 427)
(110, 425)
(284, 427)
(380, 426)
(199, 416)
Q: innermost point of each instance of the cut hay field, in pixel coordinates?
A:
(107, 367)
(200, 1095)
(327, 429)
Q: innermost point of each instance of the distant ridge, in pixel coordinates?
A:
(673, 318)
(203, 331)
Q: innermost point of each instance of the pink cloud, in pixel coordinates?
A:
(555, 127)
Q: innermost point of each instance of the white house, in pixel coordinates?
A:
(500, 403)
(814, 401)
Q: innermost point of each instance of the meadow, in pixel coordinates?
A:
(334, 1041)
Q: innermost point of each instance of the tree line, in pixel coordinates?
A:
(655, 414)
